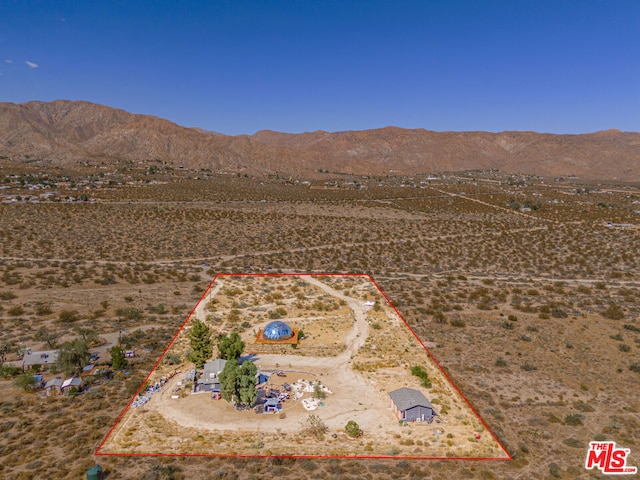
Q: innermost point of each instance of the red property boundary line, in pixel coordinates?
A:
(392, 457)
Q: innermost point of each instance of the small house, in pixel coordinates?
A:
(371, 301)
(52, 387)
(272, 405)
(87, 369)
(411, 405)
(71, 382)
(209, 380)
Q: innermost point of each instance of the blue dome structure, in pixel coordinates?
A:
(277, 331)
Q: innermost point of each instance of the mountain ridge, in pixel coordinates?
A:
(68, 132)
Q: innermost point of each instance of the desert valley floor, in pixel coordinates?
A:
(525, 289)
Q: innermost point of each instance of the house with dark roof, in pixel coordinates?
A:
(209, 380)
(411, 405)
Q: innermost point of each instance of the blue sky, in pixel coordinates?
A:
(238, 67)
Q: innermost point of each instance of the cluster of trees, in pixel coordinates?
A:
(238, 383)
(229, 347)
(74, 355)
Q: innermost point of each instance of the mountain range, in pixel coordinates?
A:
(69, 133)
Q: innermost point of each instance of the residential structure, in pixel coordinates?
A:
(71, 382)
(411, 405)
(209, 380)
(53, 386)
(43, 358)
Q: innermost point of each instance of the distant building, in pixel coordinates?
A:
(71, 382)
(93, 369)
(43, 358)
(621, 226)
(411, 405)
(53, 386)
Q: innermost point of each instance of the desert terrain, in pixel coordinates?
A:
(337, 324)
(67, 133)
(524, 288)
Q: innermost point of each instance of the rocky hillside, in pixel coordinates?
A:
(66, 132)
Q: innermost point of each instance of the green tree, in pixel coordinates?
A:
(230, 348)
(238, 383)
(228, 380)
(118, 359)
(247, 392)
(352, 429)
(49, 336)
(73, 356)
(25, 381)
(201, 344)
